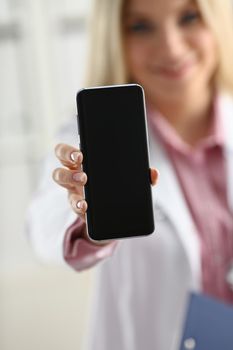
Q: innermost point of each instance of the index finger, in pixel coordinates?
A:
(68, 155)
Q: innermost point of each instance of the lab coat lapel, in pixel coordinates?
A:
(169, 198)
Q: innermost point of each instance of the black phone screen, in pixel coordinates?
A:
(113, 139)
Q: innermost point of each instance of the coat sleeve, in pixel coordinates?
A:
(53, 229)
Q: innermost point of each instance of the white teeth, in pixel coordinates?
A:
(171, 68)
(174, 68)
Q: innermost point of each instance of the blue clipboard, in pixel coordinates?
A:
(208, 326)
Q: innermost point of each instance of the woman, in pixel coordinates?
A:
(177, 50)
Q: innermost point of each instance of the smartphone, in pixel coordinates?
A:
(113, 139)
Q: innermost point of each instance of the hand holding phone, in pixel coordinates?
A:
(72, 177)
(113, 140)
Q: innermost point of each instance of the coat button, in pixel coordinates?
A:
(190, 344)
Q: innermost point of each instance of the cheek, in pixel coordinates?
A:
(206, 46)
(136, 57)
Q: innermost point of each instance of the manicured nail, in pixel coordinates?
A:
(75, 157)
(80, 204)
(79, 177)
(56, 175)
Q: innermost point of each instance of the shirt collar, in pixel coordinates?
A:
(168, 135)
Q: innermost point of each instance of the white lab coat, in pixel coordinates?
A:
(142, 290)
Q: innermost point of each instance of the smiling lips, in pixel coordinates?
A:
(174, 71)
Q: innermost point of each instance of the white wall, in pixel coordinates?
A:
(42, 51)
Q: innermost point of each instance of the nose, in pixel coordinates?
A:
(171, 45)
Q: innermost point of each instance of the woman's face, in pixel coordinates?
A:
(169, 49)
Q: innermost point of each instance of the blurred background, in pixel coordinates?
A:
(42, 56)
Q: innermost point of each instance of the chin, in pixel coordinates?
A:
(172, 90)
(170, 97)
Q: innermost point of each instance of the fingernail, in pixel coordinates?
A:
(56, 175)
(80, 177)
(75, 157)
(80, 204)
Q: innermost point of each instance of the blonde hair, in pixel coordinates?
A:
(218, 15)
(106, 63)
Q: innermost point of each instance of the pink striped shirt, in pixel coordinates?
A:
(80, 253)
(201, 171)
